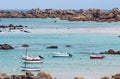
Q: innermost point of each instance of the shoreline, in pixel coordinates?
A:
(68, 75)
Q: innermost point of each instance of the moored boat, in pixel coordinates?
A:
(33, 61)
(30, 69)
(31, 58)
(60, 54)
(96, 57)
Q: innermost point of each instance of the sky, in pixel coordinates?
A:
(59, 4)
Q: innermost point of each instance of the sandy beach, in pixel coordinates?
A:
(112, 30)
(75, 30)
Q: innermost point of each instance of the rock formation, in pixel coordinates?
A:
(111, 51)
(116, 76)
(12, 27)
(80, 77)
(52, 47)
(6, 47)
(71, 15)
(28, 75)
(104, 78)
(44, 75)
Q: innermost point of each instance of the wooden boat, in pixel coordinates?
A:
(60, 54)
(96, 57)
(30, 69)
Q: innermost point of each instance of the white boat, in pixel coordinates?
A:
(31, 58)
(60, 54)
(32, 61)
(30, 69)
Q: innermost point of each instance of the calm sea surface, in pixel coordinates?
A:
(82, 46)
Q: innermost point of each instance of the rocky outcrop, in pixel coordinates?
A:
(6, 46)
(116, 76)
(44, 75)
(4, 76)
(12, 27)
(80, 77)
(28, 75)
(52, 47)
(68, 45)
(111, 51)
(71, 15)
(104, 78)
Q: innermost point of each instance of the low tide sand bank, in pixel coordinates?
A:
(75, 30)
(112, 30)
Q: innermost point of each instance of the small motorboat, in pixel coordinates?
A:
(96, 57)
(60, 54)
(31, 58)
(30, 68)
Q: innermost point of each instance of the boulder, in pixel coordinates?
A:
(80, 77)
(4, 76)
(52, 47)
(116, 76)
(13, 14)
(60, 11)
(70, 12)
(23, 76)
(15, 77)
(111, 51)
(68, 45)
(104, 78)
(117, 17)
(78, 18)
(44, 75)
(6, 47)
(49, 11)
(29, 74)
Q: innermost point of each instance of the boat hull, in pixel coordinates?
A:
(31, 58)
(32, 62)
(61, 55)
(97, 57)
(30, 69)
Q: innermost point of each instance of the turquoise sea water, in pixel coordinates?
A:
(82, 46)
(49, 23)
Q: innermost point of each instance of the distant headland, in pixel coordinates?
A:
(97, 15)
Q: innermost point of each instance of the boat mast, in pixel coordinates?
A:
(25, 45)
